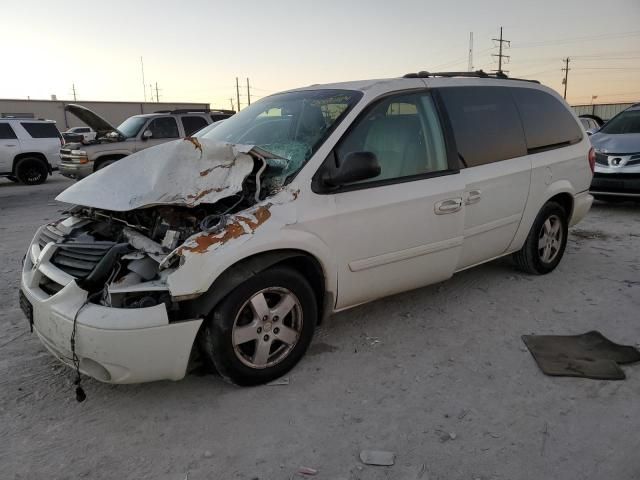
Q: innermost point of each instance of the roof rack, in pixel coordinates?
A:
(477, 74)
(195, 110)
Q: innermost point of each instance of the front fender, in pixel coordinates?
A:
(266, 227)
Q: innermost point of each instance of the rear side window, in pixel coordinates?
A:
(547, 122)
(6, 132)
(485, 124)
(193, 124)
(41, 130)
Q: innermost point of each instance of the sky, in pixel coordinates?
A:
(195, 49)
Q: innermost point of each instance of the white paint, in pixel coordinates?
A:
(174, 173)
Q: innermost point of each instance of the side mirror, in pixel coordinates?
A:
(356, 166)
(147, 134)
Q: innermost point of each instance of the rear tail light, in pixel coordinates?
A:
(592, 159)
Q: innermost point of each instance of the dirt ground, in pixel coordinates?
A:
(439, 376)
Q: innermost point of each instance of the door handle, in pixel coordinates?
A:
(450, 205)
(10, 145)
(473, 196)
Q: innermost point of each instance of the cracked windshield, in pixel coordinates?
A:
(290, 125)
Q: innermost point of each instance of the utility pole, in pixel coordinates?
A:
(248, 93)
(144, 88)
(500, 55)
(232, 107)
(566, 76)
(470, 66)
(238, 93)
(73, 87)
(157, 96)
(151, 91)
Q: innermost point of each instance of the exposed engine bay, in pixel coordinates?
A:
(122, 257)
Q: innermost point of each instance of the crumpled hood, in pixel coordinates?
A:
(184, 172)
(616, 143)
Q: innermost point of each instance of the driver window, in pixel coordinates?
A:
(405, 135)
(164, 127)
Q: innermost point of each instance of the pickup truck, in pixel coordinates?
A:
(78, 160)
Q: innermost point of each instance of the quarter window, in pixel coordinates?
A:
(192, 124)
(6, 132)
(405, 135)
(547, 122)
(164, 127)
(485, 123)
(41, 130)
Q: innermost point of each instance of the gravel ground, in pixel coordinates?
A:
(437, 375)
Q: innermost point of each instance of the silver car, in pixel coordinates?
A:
(617, 147)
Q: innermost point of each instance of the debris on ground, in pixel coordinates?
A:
(307, 471)
(446, 436)
(377, 457)
(279, 381)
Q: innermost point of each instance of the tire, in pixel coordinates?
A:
(549, 231)
(104, 164)
(234, 331)
(31, 171)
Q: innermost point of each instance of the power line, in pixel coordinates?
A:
(499, 54)
(144, 88)
(578, 39)
(566, 75)
(470, 65)
(238, 93)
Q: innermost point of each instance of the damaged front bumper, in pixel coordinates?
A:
(114, 345)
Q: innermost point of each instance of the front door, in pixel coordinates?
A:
(163, 129)
(402, 229)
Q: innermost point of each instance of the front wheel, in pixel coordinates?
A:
(545, 245)
(261, 329)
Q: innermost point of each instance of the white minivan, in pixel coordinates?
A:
(231, 247)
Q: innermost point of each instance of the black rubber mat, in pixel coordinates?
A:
(590, 355)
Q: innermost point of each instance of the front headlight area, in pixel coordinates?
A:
(75, 156)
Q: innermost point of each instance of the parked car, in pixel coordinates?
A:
(617, 147)
(590, 123)
(136, 133)
(79, 134)
(29, 149)
(234, 245)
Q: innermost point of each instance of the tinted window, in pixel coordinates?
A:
(6, 132)
(625, 122)
(164, 127)
(41, 130)
(405, 135)
(547, 122)
(485, 124)
(193, 124)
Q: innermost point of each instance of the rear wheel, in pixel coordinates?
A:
(31, 170)
(547, 240)
(261, 329)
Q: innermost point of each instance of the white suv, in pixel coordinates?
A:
(29, 149)
(234, 245)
